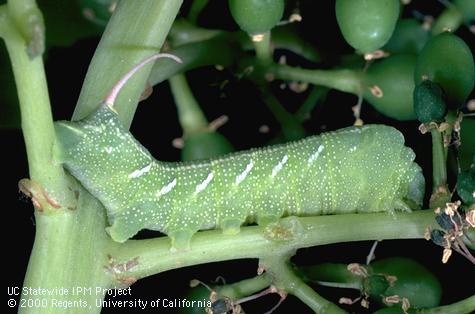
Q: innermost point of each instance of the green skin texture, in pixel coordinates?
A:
(395, 77)
(304, 178)
(367, 25)
(447, 60)
(256, 16)
(429, 103)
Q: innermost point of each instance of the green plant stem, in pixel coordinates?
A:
(263, 48)
(332, 275)
(183, 32)
(194, 55)
(199, 47)
(245, 287)
(70, 251)
(451, 119)
(135, 31)
(316, 95)
(69, 248)
(464, 306)
(439, 167)
(36, 117)
(191, 117)
(291, 127)
(29, 23)
(196, 7)
(283, 37)
(211, 246)
(344, 80)
(285, 279)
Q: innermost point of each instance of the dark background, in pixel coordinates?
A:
(158, 126)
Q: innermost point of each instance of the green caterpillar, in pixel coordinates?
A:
(356, 169)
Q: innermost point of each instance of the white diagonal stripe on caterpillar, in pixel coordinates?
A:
(244, 174)
(167, 188)
(139, 172)
(200, 187)
(279, 166)
(315, 155)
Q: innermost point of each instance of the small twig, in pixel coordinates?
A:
(371, 255)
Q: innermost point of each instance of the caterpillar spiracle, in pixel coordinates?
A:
(352, 170)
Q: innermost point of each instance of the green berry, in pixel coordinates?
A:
(256, 16)
(429, 102)
(447, 60)
(367, 24)
(389, 85)
(413, 281)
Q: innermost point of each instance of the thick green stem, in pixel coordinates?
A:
(70, 251)
(344, 80)
(253, 241)
(191, 117)
(285, 279)
(36, 117)
(71, 247)
(70, 241)
(135, 31)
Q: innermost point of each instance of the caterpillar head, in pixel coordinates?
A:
(95, 144)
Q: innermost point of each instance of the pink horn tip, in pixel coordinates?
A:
(111, 97)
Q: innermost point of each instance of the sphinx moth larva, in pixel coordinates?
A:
(356, 169)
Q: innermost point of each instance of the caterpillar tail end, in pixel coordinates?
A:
(416, 189)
